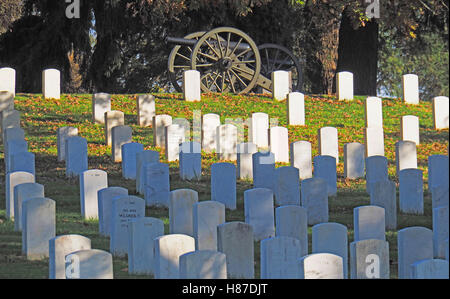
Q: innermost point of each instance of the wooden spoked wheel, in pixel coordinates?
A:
(220, 56)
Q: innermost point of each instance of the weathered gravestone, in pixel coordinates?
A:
(59, 248)
(223, 184)
(258, 130)
(296, 109)
(105, 198)
(280, 85)
(207, 216)
(411, 191)
(354, 157)
(410, 129)
(406, 155)
(146, 156)
(181, 211)
(112, 119)
(168, 250)
(141, 233)
(376, 170)
(190, 161)
(12, 180)
(62, 134)
(410, 85)
(430, 269)
(440, 113)
(279, 143)
(291, 221)
(146, 110)
(156, 184)
(124, 209)
(129, 153)
(51, 84)
(235, 240)
(76, 156)
(440, 231)
(210, 122)
(344, 86)
(38, 227)
(328, 142)
(384, 194)
(263, 170)
(369, 223)
(374, 141)
(23, 192)
(158, 125)
(244, 160)
(369, 259)
(414, 244)
(279, 258)
(301, 158)
(287, 186)
(226, 142)
(373, 109)
(191, 86)
(331, 238)
(89, 264)
(325, 168)
(101, 103)
(314, 198)
(258, 209)
(321, 266)
(22, 161)
(91, 181)
(8, 80)
(120, 135)
(203, 264)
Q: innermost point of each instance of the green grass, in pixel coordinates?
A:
(40, 118)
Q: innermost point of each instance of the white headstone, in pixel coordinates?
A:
(296, 109)
(62, 134)
(410, 85)
(328, 142)
(12, 180)
(158, 126)
(411, 191)
(181, 211)
(344, 86)
(23, 192)
(369, 259)
(280, 85)
(227, 142)
(8, 80)
(384, 194)
(129, 154)
(145, 109)
(369, 223)
(259, 212)
(410, 129)
(406, 155)
(373, 112)
(235, 240)
(210, 122)
(51, 84)
(120, 136)
(291, 221)
(203, 264)
(105, 199)
(440, 113)
(279, 143)
(76, 156)
(101, 103)
(191, 86)
(354, 158)
(258, 130)
(38, 227)
(174, 136)
(112, 119)
(207, 216)
(59, 248)
(91, 181)
(168, 250)
(301, 158)
(244, 160)
(414, 244)
(374, 141)
(321, 266)
(89, 264)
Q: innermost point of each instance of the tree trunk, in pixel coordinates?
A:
(358, 53)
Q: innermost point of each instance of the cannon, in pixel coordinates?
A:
(229, 61)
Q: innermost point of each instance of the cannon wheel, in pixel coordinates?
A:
(278, 58)
(221, 58)
(180, 61)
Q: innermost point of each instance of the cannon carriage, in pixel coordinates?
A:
(230, 61)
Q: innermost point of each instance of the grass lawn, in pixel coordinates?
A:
(40, 118)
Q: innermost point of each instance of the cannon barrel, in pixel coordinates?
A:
(191, 43)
